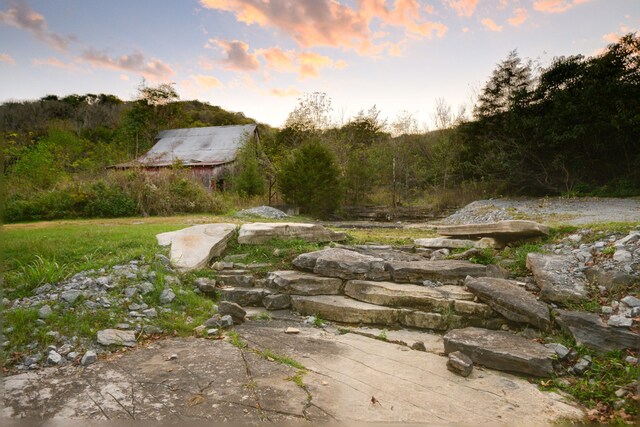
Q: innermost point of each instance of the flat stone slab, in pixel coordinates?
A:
(244, 296)
(399, 295)
(258, 233)
(207, 383)
(117, 337)
(504, 231)
(555, 280)
(345, 310)
(194, 247)
(589, 330)
(445, 271)
(509, 299)
(501, 350)
(342, 263)
(297, 283)
(443, 242)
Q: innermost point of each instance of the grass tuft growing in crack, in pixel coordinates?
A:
(279, 358)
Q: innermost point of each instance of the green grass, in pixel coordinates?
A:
(235, 340)
(382, 336)
(279, 358)
(519, 256)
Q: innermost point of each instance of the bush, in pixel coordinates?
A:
(310, 179)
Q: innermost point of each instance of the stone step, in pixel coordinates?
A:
(342, 263)
(297, 283)
(251, 297)
(443, 242)
(343, 309)
(259, 233)
(448, 272)
(442, 299)
(236, 280)
(504, 231)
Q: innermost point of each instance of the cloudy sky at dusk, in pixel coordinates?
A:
(259, 56)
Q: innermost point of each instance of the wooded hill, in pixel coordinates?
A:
(570, 128)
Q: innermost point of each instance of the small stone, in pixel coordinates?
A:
(560, 350)
(212, 322)
(65, 349)
(631, 301)
(606, 309)
(622, 256)
(163, 260)
(123, 326)
(173, 357)
(167, 296)
(72, 356)
(226, 321)
(277, 252)
(276, 302)
(621, 392)
(44, 312)
(619, 404)
(460, 364)
(102, 281)
(70, 296)
(32, 360)
(205, 285)
(151, 312)
(89, 358)
(117, 337)
(145, 288)
(51, 348)
(212, 331)
(53, 334)
(620, 321)
(130, 291)
(199, 329)
(234, 310)
(581, 366)
(218, 266)
(635, 312)
(151, 329)
(631, 360)
(292, 331)
(53, 358)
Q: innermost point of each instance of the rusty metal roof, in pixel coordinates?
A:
(196, 146)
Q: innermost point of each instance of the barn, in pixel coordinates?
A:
(209, 152)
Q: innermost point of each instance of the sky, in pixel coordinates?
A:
(260, 56)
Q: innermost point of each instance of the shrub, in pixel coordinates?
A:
(310, 179)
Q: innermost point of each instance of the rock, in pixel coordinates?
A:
(589, 330)
(631, 301)
(145, 288)
(70, 296)
(297, 283)
(460, 364)
(167, 296)
(53, 358)
(504, 231)
(130, 292)
(557, 284)
(44, 312)
(199, 329)
(501, 350)
(163, 260)
(422, 320)
(620, 321)
(72, 356)
(445, 271)
(605, 309)
(342, 263)
(581, 366)
(226, 321)
(150, 312)
(622, 256)
(443, 242)
(631, 360)
(212, 322)
(560, 350)
(277, 302)
(236, 312)
(510, 300)
(263, 212)
(151, 329)
(236, 280)
(89, 358)
(117, 337)
(260, 233)
(340, 309)
(194, 247)
(291, 330)
(65, 349)
(251, 297)
(212, 331)
(418, 346)
(206, 285)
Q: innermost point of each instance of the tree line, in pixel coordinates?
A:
(570, 128)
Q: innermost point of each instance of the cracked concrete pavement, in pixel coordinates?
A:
(348, 377)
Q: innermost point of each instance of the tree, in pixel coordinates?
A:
(312, 113)
(310, 179)
(249, 180)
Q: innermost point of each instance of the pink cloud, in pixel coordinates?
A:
(520, 15)
(314, 23)
(490, 24)
(135, 62)
(238, 56)
(53, 62)
(463, 7)
(282, 93)
(20, 15)
(556, 6)
(7, 59)
(207, 82)
(311, 63)
(279, 59)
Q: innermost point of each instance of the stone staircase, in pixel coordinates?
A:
(374, 288)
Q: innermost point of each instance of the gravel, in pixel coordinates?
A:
(263, 212)
(575, 211)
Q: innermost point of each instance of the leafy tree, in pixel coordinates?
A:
(249, 180)
(310, 179)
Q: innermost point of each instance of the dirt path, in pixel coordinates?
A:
(348, 378)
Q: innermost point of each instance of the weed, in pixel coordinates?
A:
(298, 378)
(285, 360)
(263, 316)
(609, 251)
(318, 321)
(235, 340)
(37, 272)
(382, 336)
(486, 258)
(519, 256)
